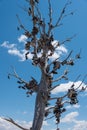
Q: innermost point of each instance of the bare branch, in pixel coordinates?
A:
(75, 80)
(53, 61)
(58, 78)
(72, 85)
(54, 98)
(62, 14)
(82, 82)
(49, 108)
(44, 26)
(13, 122)
(61, 77)
(83, 89)
(32, 3)
(50, 18)
(71, 13)
(65, 94)
(50, 118)
(53, 87)
(21, 25)
(16, 76)
(38, 11)
(68, 39)
(64, 62)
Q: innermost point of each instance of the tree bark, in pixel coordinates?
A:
(41, 99)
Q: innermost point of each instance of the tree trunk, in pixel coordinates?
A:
(41, 99)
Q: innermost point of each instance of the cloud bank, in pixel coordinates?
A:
(77, 124)
(4, 125)
(64, 87)
(13, 49)
(70, 118)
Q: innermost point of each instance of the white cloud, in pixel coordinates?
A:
(4, 125)
(69, 118)
(77, 124)
(7, 45)
(25, 124)
(22, 38)
(76, 106)
(55, 43)
(20, 54)
(83, 94)
(60, 50)
(16, 52)
(64, 87)
(45, 123)
(80, 125)
(54, 56)
(13, 50)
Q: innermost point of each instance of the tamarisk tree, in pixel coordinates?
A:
(42, 46)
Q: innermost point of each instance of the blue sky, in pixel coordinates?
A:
(13, 102)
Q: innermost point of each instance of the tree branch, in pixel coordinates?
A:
(53, 61)
(82, 82)
(61, 77)
(62, 14)
(49, 118)
(67, 93)
(21, 25)
(49, 108)
(13, 122)
(53, 87)
(83, 89)
(58, 97)
(16, 76)
(58, 78)
(64, 61)
(68, 39)
(71, 13)
(50, 18)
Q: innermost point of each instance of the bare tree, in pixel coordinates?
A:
(40, 44)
